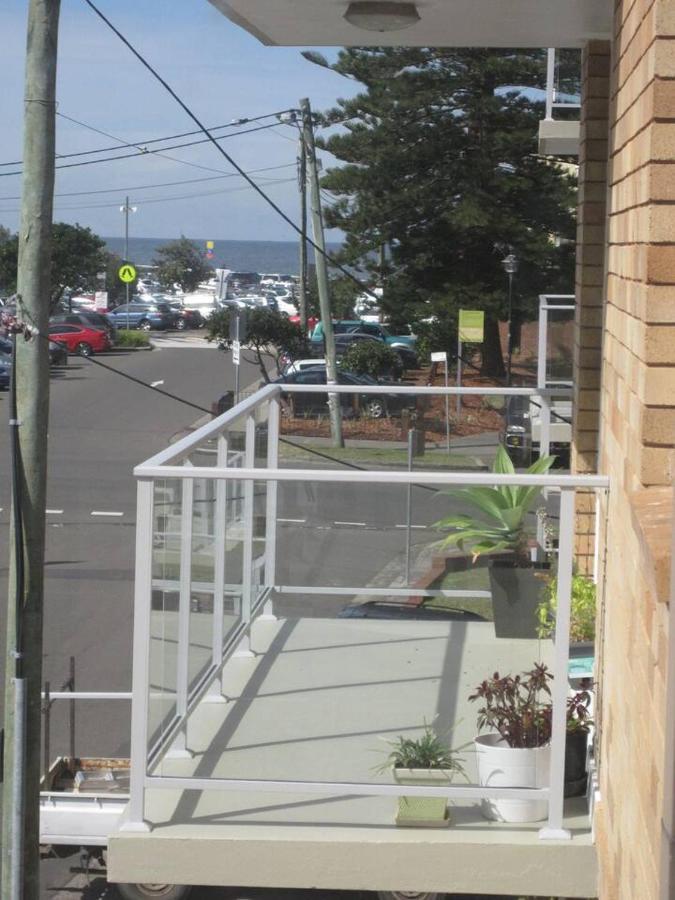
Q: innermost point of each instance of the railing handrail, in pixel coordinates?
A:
(379, 476)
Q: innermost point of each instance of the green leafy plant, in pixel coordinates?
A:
(503, 509)
(425, 752)
(132, 339)
(582, 619)
(519, 707)
(372, 358)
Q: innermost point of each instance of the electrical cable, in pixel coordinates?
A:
(186, 109)
(92, 162)
(147, 187)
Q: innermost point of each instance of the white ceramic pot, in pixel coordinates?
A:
(502, 766)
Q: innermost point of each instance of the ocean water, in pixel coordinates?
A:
(242, 256)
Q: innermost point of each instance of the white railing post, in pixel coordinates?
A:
(179, 748)
(542, 341)
(545, 425)
(244, 648)
(219, 550)
(550, 81)
(273, 416)
(554, 829)
(140, 688)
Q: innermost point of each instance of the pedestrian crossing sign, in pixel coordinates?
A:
(127, 273)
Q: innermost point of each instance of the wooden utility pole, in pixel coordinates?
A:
(302, 184)
(322, 273)
(20, 810)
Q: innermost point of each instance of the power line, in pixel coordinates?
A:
(146, 201)
(144, 187)
(143, 143)
(186, 109)
(91, 162)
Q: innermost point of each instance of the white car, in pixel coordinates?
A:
(299, 365)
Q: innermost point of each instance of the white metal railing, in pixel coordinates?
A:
(175, 463)
(552, 94)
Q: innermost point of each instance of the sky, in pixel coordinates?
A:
(221, 72)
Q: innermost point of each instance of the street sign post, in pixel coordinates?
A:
(236, 352)
(442, 356)
(101, 301)
(471, 330)
(127, 273)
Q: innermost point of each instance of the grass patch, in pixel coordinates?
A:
(474, 579)
(132, 339)
(383, 456)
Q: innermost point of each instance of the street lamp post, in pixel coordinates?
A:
(510, 265)
(126, 209)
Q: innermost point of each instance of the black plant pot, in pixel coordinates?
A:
(516, 594)
(576, 744)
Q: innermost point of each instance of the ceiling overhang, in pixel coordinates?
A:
(443, 23)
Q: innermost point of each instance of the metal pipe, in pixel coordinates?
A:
(18, 795)
(71, 709)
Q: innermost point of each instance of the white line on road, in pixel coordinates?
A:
(412, 526)
(157, 383)
(294, 521)
(54, 512)
(98, 512)
(357, 524)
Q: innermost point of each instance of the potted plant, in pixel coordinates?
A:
(423, 760)
(582, 614)
(516, 752)
(499, 528)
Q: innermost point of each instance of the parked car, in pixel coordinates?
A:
(374, 406)
(58, 354)
(80, 339)
(87, 318)
(186, 318)
(145, 316)
(403, 344)
(523, 426)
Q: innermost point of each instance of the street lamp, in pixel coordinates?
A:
(126, 209)
(510, 266)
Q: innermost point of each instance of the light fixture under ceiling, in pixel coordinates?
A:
(381, 15)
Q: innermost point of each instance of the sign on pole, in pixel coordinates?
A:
(101, 300)
(441, 356)
(236, 352)
(126, 273)
(471, 326)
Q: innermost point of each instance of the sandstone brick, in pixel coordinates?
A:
(660, 264)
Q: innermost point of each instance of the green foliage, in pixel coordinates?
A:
(132, 339)
(372, 358)
(502, 511)
(582, 623)
(181, 262)
(439, 165)
(78, 255)
(519, 707)
(116, 289)
(425, 752)
(268, 335)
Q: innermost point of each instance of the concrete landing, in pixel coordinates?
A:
(318, 702)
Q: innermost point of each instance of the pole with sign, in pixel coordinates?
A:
(470, 331)
(442, 356)
(237, 335)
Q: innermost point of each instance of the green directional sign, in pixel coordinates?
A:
(126, 273)
(471, 326)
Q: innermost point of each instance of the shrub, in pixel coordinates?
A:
(372, 358)
(425, 752)
(582, 620)
(132, 339)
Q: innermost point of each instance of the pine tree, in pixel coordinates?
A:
(439, 165)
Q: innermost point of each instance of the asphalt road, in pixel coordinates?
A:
(101, 425)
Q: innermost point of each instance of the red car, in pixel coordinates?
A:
(79, 338)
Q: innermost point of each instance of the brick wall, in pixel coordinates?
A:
(636, 439)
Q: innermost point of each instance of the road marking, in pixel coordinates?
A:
(357, 524)
(54, 512)
(156, 383)
(412, 526)
(99, 512)
(294, 521)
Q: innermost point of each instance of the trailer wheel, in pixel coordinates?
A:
(153, 891)
(409, 895)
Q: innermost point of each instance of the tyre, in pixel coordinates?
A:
(375, 408)
(145, 325)
(84, 349)
(409, 895)
(180, 325)
(153, 891)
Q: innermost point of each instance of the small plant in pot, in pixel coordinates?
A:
(579, 723)
(499, 529)
(582, 614)
(516, 752)
(424, 760)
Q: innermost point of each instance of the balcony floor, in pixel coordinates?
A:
(318, 702)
